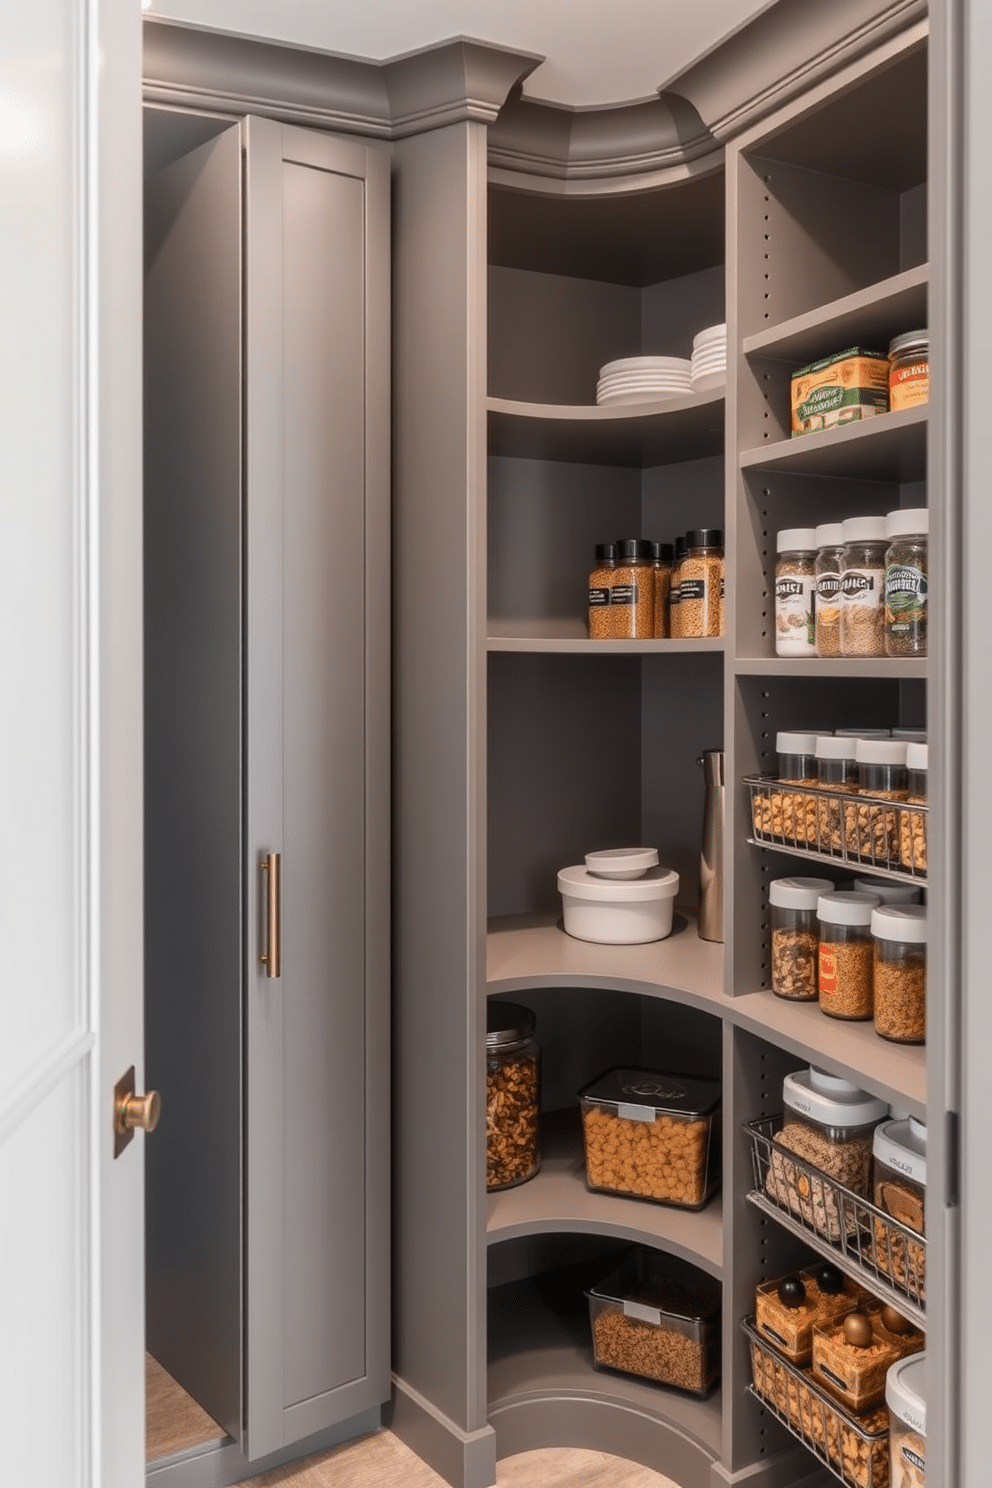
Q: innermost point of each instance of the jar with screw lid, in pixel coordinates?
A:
(795, 935)
(909, 370)
(837, 772)
(661, 561)
(906, 582)
(632, 596)
(701, 583)
(862, 587)
(900, 932)
(899, 1188)
(600, 590)
(872, 832)
(846, 957)
(795, 582)
(675, 589)
(826, 607)
(913, 824)
(513, 1152)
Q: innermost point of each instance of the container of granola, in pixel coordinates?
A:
(846, 956)
(905, 1396)
(787, 1309)
(900, 980)
(913, 824)
(795, 935)
(871, 833)
(658, 1317)
(852, 1357)
(836, 772)
(651, 1135)
(899, 1188)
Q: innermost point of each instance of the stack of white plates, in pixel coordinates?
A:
(644, 379)
(709, 358)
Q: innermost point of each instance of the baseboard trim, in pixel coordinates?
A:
(465, 1459)
(219, 1465)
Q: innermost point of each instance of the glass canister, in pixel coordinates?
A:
(899, 1189)
(795, 935)
(837, 772)
(661, 562)
(600, 587)
(872, 832)
(632, 597)
(701, 584)
(826, 607)
(513, 1070)
(906, 582)
(793, 813)
(913, 824)
(795, 582)
(829, 1123)
(862, 587)
(905, 1396)
(909, 370)
(845, 967)
(675, 589)
(900, 979)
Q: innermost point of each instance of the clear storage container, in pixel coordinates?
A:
(658, 1317)
(795, 935)
(600, 588)
(900, 981)
(701, 577)
(826, 610)
(871, 832)
(836, 771)
(829, 1124)
(899, 1188)
(887, 891)
(906, 582)
(795, 583)
(862, 587)
(651, 1135)
(909, 370)
(853, 1357)
(787, 1310)
(913, 824)
(782, 811)
(661, 562)
(513, 1068)
(845, 968)
(632, 591)
(905, 1396)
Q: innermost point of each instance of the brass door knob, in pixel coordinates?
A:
(132, 1111)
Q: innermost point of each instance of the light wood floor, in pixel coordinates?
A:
(173, 1420)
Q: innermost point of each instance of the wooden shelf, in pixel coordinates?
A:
(871, 317)
(558, 1200)
(889, 447)
(672, 429)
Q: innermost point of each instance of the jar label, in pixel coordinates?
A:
(915, 1458)
(906, 589)
(794, 616)
(862, 586)
(692, 589)
(827, 587)
(909, 386)
(827, 979)
(624, 594)
(599, 596)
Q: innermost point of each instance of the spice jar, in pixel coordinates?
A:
(826, 606)
(600, 588)
(701, 583)
(900, 981)
(899, 1188)
(795, 935)
(846, 956)
(795, 581)
(909, 370)
(905, 1396)
(513, 1152)
(829, 1123)
(661, 562)
(836, 771)
(675, 589)
(862, 587)
(906, 582)
(632, 596)
(872, 832)
(913, 824)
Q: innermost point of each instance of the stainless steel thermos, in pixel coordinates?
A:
(711, 853)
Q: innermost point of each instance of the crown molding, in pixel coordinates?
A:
(456, 80)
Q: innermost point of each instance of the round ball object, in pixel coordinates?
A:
(829, 1280)
(894, 1321)
(791, 1292)
(857, 1330)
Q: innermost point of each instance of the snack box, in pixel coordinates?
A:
(787, 1309)
(839, 389)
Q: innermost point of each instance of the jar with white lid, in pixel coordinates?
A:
(795, 580)
(826, 606)
(837, 772)
(899, 1189)
(829, 1123)
(846, 957)
(909, 370)
(887, 891)
(906, 582)
(905, 1396)
(862, 587)
(900, 980)
(872, 832)
(913, 824)
(795, 935)
(863, 733)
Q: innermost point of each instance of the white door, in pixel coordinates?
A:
(71, 1218)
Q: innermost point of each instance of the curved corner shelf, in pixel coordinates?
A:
(558, 1200)
(524, 951)
(869, 316)
(889, 447)
(671, 429)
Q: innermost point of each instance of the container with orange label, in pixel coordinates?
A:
(839, 389)
(909, 370)
(845, 965)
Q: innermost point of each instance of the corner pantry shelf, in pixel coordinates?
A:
(889, 447)
(643, 434)
(869, 317)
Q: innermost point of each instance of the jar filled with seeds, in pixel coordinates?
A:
(661, 562)
(905, 1396)
(862, 587)
(900, 982)
(913, 824)
(845, 968)
(909, 370)
(826, 606)
(793, 813)
(837, 772)
(899, 1189)
(632, 596)
(795, 582)
(701, 583)
(675, 589)
(513, 1067)
(600, 589)
(872, 832)
(906, 582)
(795, 935)
(829, 1124)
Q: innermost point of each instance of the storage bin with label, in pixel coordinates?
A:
(846, 958)
(658, 1317)
(905, 1396)
(651, 1135)
(899, 1186)
(852, 1357)
(787, 1309)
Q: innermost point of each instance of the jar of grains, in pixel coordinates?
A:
(900, 983)
(661, 562)
(913, 824)
(674, 592)
(872, 832)
(795, 582)
(632, 597)
(830, 1123)
(845, 965)
(600, 587)
(701, 583)
(862, 587)
(795, 935)
(899, 1189)
(905, 1396)
(826, 607)
(793, 813)
(906, 582)
(837, 772)
(513, 1152)
(909, 370)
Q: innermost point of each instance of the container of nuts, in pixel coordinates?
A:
(513, 1151)
(899, 1160)
(905, 1396)
(651, 1136)
(795, 935)
(658, 1317)
(900, 983)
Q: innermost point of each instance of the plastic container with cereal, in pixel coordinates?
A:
(658, 1317)
(899, 1155)
(787, 1310)
(905, 1396)
(651, 1135)
(852, 1357)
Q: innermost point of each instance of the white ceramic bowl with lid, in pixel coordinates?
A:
(618, 911)
(622, 862)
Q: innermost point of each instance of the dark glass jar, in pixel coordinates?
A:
(513, 1083)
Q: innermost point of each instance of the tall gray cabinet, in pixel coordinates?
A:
(267, 773)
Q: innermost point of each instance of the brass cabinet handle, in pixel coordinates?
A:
(271, 954)
(133, 1112)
